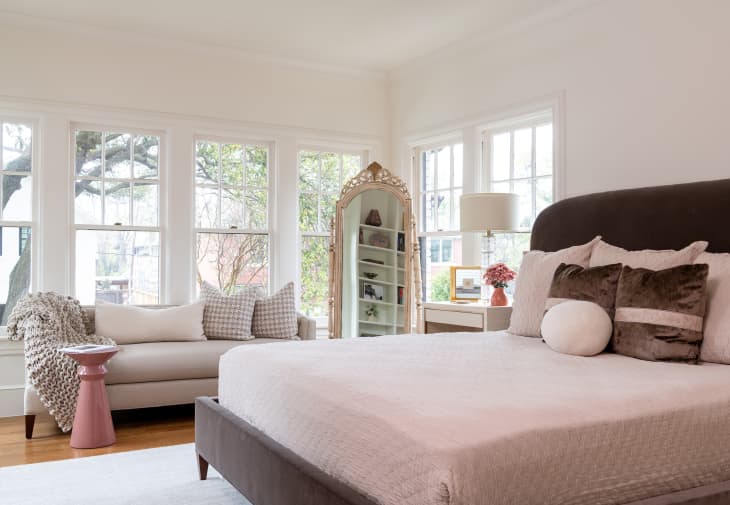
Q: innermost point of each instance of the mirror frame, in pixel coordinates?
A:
(379, 178)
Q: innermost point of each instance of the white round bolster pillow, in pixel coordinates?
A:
(577, 327)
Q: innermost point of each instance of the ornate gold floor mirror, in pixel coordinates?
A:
(375, 274)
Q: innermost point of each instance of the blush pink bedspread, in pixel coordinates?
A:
(488, 418)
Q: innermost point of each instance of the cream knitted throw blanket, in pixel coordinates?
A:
(48, 322)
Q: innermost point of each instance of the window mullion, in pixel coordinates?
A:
(243, 190)
(219, 210)
(533, 186)
(319, 191)
(452, 205)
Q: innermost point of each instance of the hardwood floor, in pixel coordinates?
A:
(137, 429)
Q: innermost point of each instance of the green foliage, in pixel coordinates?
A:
(315, 276)
(441, 287)
(321, 176)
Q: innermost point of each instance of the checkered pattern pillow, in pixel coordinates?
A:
(227, 317)
(276, 316)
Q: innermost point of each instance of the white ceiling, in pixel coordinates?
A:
(366, 34)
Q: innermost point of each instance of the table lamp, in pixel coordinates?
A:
(487, 213)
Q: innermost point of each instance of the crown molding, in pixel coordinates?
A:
(181, 44)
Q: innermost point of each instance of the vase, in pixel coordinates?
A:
(499, 298)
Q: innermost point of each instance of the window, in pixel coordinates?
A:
(440, 250)
(521, 161)
(321, 177)
(232, 214)
(16, 160)
(117, 207)
(441, 171)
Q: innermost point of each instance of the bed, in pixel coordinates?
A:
(391, 420)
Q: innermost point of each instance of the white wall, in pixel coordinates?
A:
(55, 75)
(646, 88)
(69, 63)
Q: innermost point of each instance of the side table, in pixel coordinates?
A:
(93, 425)
(449, 316)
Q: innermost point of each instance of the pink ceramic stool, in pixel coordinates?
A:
(93, 425)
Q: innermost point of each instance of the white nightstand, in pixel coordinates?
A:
(448, 316)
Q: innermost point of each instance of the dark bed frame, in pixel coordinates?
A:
(665, 217)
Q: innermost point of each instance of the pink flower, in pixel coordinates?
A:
(498, 275)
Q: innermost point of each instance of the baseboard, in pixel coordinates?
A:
(11, 400)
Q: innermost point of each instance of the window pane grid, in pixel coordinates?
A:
(530, 175)
(99, 156)
(117, 207)
(527, 185)
(16, 162)
(220, 163)
(321, 176)
(232, 202)
(440, 187)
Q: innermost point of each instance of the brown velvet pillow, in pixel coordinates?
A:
(597, 285)
(659, 314)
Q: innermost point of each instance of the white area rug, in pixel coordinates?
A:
(166, 475)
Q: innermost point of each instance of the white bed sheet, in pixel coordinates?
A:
(487, 418)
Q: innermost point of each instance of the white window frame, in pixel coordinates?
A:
(533, 120)
(419, 151)
(510, 126)
(321, 321)
(161, 200)
(419, 205)
(270, 201)
(33, 124)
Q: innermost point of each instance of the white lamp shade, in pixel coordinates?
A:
(489, 212)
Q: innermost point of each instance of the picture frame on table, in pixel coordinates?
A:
(466, 283)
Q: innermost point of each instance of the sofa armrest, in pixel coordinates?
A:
(307, 327)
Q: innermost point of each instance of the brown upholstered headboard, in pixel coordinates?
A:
(662, 217)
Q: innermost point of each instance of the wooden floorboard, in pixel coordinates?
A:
(138, 429)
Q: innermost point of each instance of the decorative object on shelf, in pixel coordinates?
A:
(498, 276)
(378, 203)
(372, 291)
(372, 312)
(487, 213)
(360, 237)
(370, 275)
(465, 283)
(379, 239)
(373, 218)
(400, 295)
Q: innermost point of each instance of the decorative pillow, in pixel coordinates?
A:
(716, 342)
(659, 315)
(597, 285)
(127, 324)
(533, 285)
(275, 316)
(577, 327)
(227, 317)
(607, 254)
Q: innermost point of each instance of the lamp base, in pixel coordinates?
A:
(488, 244)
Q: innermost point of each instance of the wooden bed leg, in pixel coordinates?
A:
(29, 424)
(202, 467)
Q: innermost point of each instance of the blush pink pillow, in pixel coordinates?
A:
(607, 254)
(533, 285)
(716, 343)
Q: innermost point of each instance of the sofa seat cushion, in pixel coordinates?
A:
(163, 361)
